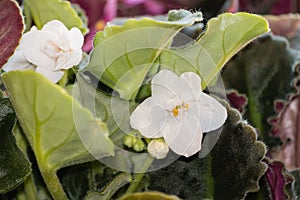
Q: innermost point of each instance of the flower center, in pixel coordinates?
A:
(52, 50)
(178, 108)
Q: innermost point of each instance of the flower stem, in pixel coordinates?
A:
(54, 186)
(64, 80)
(139, 176)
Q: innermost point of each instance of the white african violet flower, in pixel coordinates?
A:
(48, 51)
(158, 148)
(179, 112)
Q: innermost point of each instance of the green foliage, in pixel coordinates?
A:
(109, 190)
(14, 167)
(59, 130)
(11, 29)
(115, 112)
(137, 44)
(133, 48)
(230, 171)
(224, 37)
(47, 10)
(263, 71)
(141, 42)
(111, 110)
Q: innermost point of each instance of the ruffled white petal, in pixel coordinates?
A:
(17, 62)
(68, 60)
(184, 137)
(32, 46)
(76, 38)
(211, 114)
(53, 76)
(149, 118)
(162, 86)
(56, 27)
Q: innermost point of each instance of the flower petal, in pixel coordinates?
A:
(149, 118)
(184, 137)
(210, 112)
(162, 86)
(32, 45)
(17, 62)
(76, 38)
(53, 76)
(188, 86)
(68, 60)
(193, 81)
(56, 27)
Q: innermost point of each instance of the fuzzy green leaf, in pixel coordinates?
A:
(230, 171)
(263, 71)
(60, 131)
(117, 182)
(14, 167)
(124, 54)
(47, 10)
(11, 29)
(224, 37)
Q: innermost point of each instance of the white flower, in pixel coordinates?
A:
(179, 112)
(48, 51)
(158, 148)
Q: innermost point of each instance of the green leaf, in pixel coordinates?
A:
(75, 180)
(119, 181)
(123, 55)
(115, 112)
(263, 71)
(149, 196)
(14, 167)
(111, 110)
(230, 171)
(11, 29)
(224, 37)
(47, 10)
(60, 131)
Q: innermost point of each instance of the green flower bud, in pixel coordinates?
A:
(139, 145)
(129, 141)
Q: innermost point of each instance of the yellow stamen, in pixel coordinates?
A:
(175, 111)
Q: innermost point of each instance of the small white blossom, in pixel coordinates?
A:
(158, 148)
(48, 51)
(179, 112)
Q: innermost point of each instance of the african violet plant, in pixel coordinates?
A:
(144, 115)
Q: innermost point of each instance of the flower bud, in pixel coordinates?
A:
(129, 141)
(139, 145)
(158, 148)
